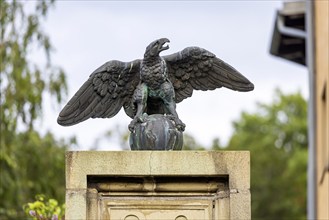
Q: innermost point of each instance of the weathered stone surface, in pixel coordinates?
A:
(160, 209)
(157, 184)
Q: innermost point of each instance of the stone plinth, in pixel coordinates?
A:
(157, 185)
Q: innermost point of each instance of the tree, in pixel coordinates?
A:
(191, 144)
(30, 163)
(276, 136)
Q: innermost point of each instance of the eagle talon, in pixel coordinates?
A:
(179, 124)
(132, 125)
(138, 119)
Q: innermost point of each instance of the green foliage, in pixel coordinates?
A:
(276, 136)
(44, 209)
(191, 144)
(35, 165)
(30, 163)
(23, 82)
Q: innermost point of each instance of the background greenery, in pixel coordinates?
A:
(32, 161)
(276, 136)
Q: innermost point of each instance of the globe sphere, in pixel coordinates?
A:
(157, 132)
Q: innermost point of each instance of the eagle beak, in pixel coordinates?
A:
(162, 43)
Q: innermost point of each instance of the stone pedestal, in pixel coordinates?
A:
(175, 185)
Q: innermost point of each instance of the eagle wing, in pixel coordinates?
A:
(197, 68)
(108, 88)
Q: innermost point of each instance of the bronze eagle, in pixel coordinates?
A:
(152, 85)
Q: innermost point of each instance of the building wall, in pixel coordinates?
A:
(321, 9)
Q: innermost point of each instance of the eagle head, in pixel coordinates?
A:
(154, 48)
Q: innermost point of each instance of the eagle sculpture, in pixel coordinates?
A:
(152, 85)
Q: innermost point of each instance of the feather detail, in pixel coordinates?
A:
(202, 70)
(103, 94)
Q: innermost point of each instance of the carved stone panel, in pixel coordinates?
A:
(159, 197)
(157, 185)
(159, 208)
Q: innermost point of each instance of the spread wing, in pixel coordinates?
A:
(197, 68)
(108, 88)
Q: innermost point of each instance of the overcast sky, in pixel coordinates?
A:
(87, 34)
